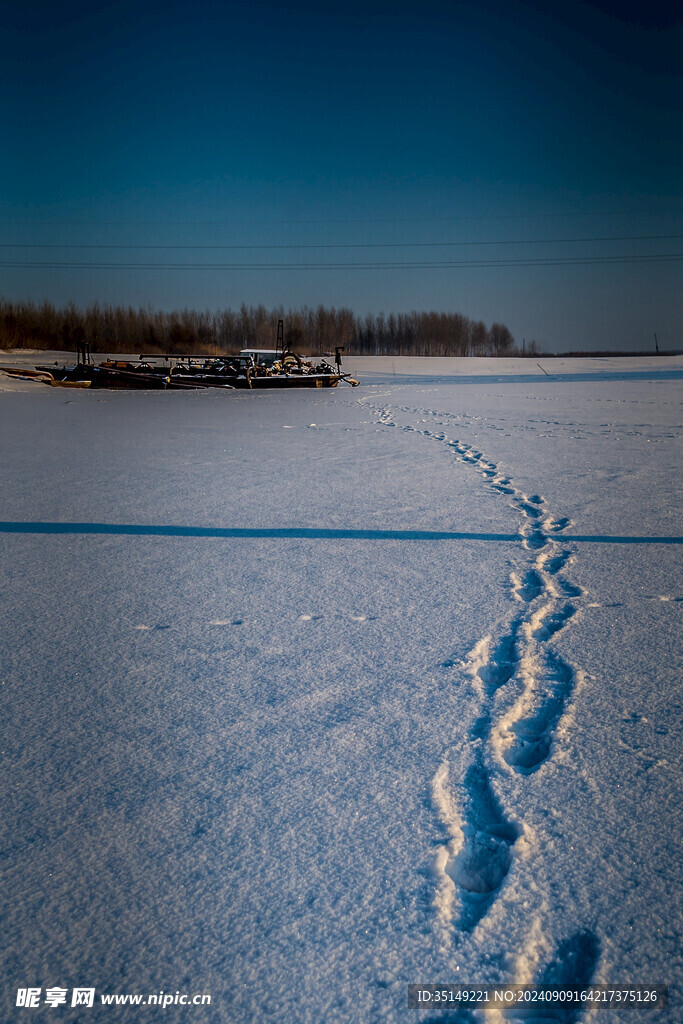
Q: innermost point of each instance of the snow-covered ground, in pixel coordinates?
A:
(309, 696)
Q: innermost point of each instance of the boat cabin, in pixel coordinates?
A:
(262, 356)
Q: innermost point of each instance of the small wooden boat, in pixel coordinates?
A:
(113, 374)
(23, 374)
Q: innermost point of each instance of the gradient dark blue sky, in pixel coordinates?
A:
(351, 134)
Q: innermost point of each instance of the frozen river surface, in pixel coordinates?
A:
(310, 696)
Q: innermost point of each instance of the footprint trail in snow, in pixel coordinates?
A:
(479, 855)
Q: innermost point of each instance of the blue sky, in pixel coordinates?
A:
(379, 156)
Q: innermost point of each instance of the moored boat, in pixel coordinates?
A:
(252, 369)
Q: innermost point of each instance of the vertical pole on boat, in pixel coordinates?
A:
(280, 343)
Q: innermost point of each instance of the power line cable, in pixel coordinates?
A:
(575, 215)
(339, 245)
(376, 265)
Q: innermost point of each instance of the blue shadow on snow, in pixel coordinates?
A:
(299, 533)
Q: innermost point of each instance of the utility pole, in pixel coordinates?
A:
(656, 345)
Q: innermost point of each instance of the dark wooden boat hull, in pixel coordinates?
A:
(127, 376)
(291, 380)
(119, 380)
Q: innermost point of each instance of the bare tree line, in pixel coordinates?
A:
(311, 331)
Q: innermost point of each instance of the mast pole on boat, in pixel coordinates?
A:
(280, 342)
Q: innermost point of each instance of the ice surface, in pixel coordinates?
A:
(305, 764)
